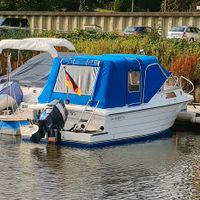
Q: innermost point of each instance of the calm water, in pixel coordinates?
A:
(162, 169)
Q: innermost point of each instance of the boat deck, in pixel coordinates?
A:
(20, 115)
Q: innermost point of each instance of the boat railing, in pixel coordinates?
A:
(171, 83)
(181, 79)
(90, 117)
(179, 82)
(87, 109)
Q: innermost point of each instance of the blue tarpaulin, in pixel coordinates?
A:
(111, 84)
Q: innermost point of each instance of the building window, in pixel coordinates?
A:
(133, 81)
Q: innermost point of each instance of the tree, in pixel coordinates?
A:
(87, 5)
(39, 5)
(7, 5)
(139, 6)
(117, 5)
(194, 5)
(149, 5)
(36, 5)
(122, 5)
(70, 5)
(179, 5)
(105, 4)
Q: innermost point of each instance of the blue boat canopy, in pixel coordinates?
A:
(108, 81)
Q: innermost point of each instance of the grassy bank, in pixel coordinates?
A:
(180, 56)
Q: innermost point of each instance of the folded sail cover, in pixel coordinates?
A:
(102, 78)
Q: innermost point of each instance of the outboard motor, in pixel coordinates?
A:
(51, 121)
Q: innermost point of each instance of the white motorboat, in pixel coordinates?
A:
(111, 99)
(108, 99)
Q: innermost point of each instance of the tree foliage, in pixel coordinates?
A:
(105, 4)
(148, 5)
(26, 5)
(179, 5)
(86, 5)
(194, 5)
(68, 5)
(122, 5)
(117, 5)
(90, 5)
(39, 5)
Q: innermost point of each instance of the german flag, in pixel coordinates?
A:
(70, 83)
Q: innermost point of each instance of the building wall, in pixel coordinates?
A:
(69, 21)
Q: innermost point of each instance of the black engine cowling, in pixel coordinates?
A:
(51, 121)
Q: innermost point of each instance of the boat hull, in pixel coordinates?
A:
(17, 127)
(125, 127)
(142, 138)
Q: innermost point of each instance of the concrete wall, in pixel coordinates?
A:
(68, 21)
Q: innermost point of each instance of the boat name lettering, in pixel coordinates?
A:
(118, 118)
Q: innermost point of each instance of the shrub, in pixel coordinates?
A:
(185, 65)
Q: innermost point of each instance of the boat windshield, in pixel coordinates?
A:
(171, 82)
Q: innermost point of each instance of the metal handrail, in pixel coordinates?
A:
(81, 115)
(182, 77)
(83, 112)
(177, 83)
(88, 122)
(147, 68)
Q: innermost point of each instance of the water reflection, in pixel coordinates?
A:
(162, 169)
(10, 139)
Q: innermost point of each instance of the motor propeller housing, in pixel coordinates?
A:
(51, 121)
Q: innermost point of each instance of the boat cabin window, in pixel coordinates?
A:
(76, 79)
(133, 81)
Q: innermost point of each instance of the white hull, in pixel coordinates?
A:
(127, 125)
